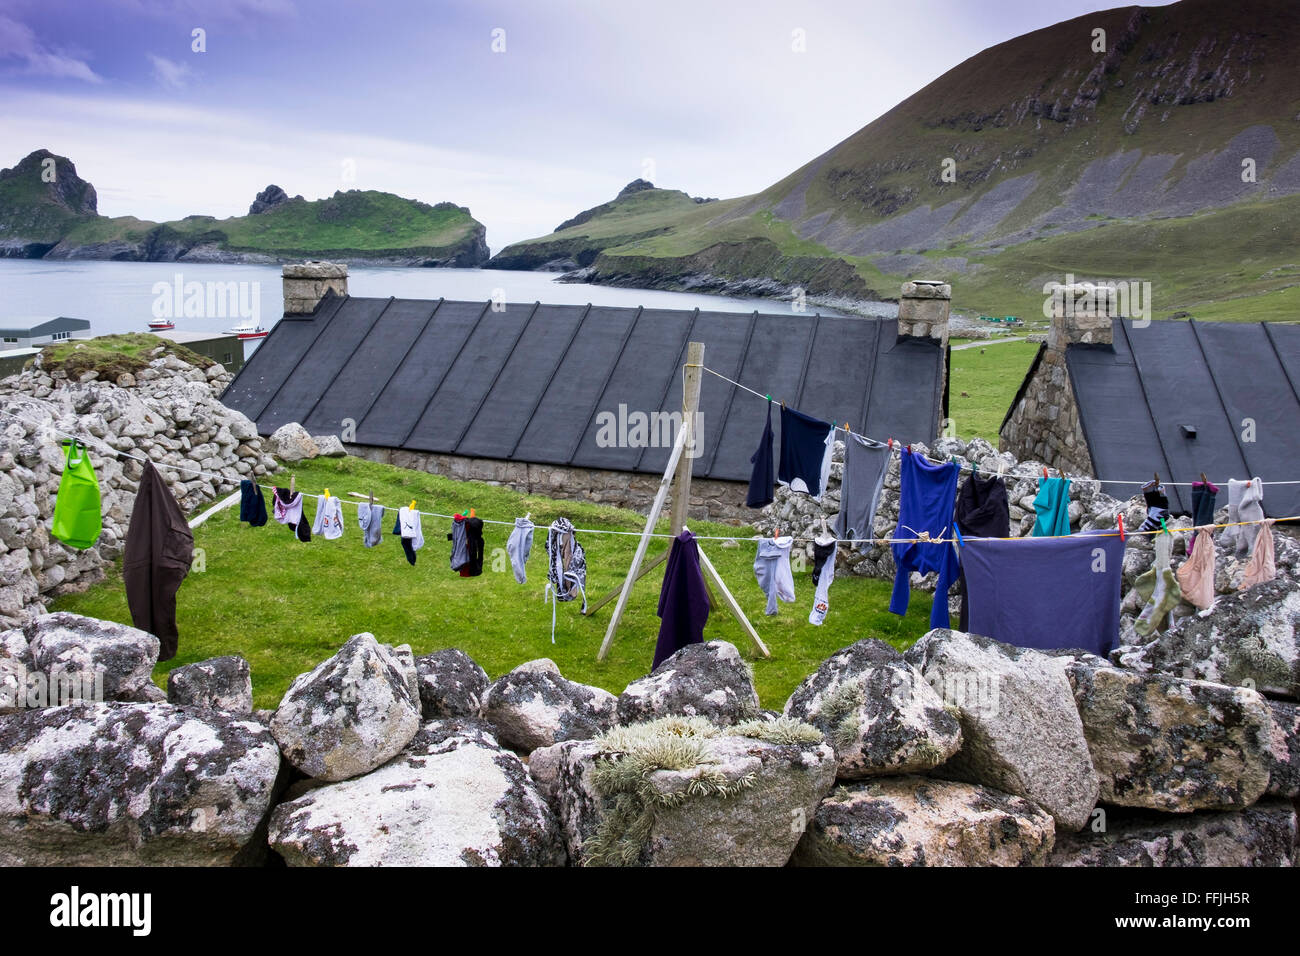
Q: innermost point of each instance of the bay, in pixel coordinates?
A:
(123, 296)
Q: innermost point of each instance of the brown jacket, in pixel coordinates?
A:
(159, 549)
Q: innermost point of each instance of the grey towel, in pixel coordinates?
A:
(519, 546)
(865, 465)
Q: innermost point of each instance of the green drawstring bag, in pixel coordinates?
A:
(77, 518)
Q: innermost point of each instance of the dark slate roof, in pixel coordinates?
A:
(49, 327)
(1135, 397)
(526, 383)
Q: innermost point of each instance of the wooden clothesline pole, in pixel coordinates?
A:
(677, 475)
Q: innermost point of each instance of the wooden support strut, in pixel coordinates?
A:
(677, 475)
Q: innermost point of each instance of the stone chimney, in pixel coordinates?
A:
(923, 307)
(305, 284)
(1044, 425)
(1082, 314)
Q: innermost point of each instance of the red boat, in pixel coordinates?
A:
(161, 325)
(248, 330)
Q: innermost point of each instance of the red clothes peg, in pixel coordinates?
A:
(1121, 527)
(1044, 471)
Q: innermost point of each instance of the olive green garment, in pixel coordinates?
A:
(77, 518)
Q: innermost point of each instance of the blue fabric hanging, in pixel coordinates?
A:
(926, 497)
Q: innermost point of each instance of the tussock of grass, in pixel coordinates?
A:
(839, 711)
(780, 730)
(113, 355)
(626, 759)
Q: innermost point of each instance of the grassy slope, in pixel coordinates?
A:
(286, 606)
(31, 213)
(358, 220)
(985, 113)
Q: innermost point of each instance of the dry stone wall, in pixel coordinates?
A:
(168, 412)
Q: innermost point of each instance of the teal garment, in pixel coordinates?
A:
(1052, 507)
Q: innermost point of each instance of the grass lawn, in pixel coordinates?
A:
(285, 606)
(990, 381)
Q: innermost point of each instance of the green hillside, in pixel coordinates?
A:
(1120, 163)
(59, 220)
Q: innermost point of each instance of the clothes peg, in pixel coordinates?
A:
(292, 484)
(1002, 467)
(891, 442)
(528, 516)
(783, 403)
(1204, 480)
(372, 497)
(1121, 528)
(776, 533)
(412, 504)
(768, 397)
(847, 429)
(327, 494)
(1157, 474)
(1044, 471)
(471, 512)
(1164, 528)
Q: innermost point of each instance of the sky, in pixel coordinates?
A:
(524, 111)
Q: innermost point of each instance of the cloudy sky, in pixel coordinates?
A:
(525, 111)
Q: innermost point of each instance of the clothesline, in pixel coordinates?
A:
(899, 445)
(657, 534)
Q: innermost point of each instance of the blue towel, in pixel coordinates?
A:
(1046, 593)
(926, 498)
(805, 452)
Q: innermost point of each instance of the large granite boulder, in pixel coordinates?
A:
(920, 821)
(117, 784)
(88, 658)
(1251, 638)
(404, 658)
(452, 797)
(291, 442)
(683, 792)
(709, 680)
(1261, 835)
(329, 446)
(451, 684)
(350, 714)
(1284, 750)
(877, 711)
(1021, 731)
(1172, 744)
(535, 706)
(220, 683)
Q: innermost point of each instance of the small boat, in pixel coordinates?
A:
(248, 330)
(161, 325)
